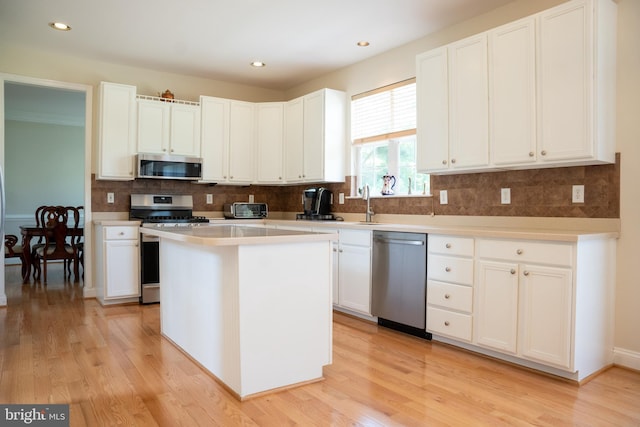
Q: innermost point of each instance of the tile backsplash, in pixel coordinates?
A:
(534, 193)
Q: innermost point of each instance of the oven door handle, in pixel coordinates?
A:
(144, 238)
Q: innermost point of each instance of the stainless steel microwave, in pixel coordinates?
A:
(163, 166)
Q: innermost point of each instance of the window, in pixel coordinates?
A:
(383, 131)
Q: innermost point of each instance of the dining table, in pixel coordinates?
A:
(30, 231)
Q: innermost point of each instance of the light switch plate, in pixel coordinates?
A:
(209, 199)
(505, 196)
(577, 194)
(444, 197)
(341, 198)
(111, 198)
(251, 199)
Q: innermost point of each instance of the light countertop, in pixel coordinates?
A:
(236, 234)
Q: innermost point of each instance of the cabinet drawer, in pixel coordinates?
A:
(446, 295)
(355, 237)
(121, 233)
(443, 322)
(526, 251)
(451, 245)
(450, 269)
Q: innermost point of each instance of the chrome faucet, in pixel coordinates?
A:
(366, 196)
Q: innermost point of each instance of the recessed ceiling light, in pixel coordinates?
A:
(363, 43)
(258, 64)
(59, 26)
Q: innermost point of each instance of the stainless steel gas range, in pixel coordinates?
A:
(159, 210)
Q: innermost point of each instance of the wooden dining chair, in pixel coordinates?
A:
(13, 250)
(35, 262)
(59, 225)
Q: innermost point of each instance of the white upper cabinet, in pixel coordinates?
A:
(468, 106)
(453, 107)
(293, 140)
(270, 142)
(314, 146)
(576, 82)
(116, 131)
(242, 147)
(512, 89)
(168, 128)
(538, 92)
(228, 141)
(433, 110)
(215, 138)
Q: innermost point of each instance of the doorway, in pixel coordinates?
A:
(44, 122)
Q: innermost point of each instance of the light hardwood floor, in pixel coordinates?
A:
(113, 368)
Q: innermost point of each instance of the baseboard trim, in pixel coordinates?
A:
(626, 358)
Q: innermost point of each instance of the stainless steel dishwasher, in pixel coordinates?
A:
(399, 279)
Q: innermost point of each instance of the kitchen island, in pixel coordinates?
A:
(252, 305)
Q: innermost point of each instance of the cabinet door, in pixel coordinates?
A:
(185, 130)
(468, 103)
(215, 138)
(496, 313)
(122, 267)
(293, 140)
(270, 139)
(432, 111)
(116, 131)
(314, 134)
(355, 278)
(546, 314)
(565, 82)
(512, 88)
(241, 142)
(153, 126)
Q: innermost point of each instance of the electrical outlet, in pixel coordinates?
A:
(251, 199)
(209, 199)
(111, 198)
(444, 197)
(577, 194)
(341, 198)
(505, 196)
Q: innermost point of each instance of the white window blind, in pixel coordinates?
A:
(384, 113)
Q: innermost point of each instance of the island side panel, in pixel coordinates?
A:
(285, 313)
(199, 305)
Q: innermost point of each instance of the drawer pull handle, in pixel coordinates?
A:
(448, 246)
(526, 273)
(121, 233)
(453, 160)
(444, 162)
(447, 296)
(446, 323)
(513, 271)
(531, 154)
(543, 152)
(447, 269)
(519, 251)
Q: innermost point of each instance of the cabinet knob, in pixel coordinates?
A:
(447, 296)
(230, 176)
(340, 250)
(121, 233)
(448, 246)
(453, 160)
(513, 271)
(519, 251)
(447, 269)
(446, 323)
(335, 250)
(164, 149)
(531, 154)
(280, 178)
(444, 162)
(543, 152)
(526, 273)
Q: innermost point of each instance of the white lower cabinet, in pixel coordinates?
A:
(450, 286)
(117, 264)
(354, 270)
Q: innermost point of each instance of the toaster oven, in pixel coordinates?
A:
(241, 210)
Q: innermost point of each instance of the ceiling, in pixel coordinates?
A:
(215, 39)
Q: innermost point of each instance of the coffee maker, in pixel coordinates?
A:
(317, 204)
